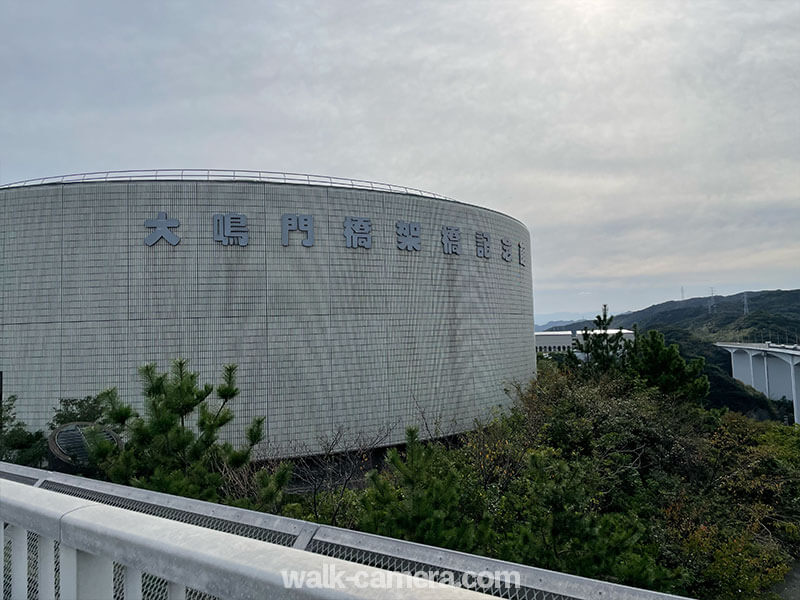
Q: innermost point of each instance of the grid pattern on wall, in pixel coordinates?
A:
(325, 336)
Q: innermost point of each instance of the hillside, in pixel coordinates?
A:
(695, 324)
(772, 314)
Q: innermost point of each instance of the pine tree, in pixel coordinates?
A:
(603, 350)
(658, 365)
(646, 357)
(164, 452)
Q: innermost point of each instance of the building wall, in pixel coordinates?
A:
(551, 341)
(324, 336)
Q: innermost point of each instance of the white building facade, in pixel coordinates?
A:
(342, 307)
(563, 341)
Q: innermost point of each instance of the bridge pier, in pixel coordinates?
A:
(760, 378)
(779, 377)
(742, 366)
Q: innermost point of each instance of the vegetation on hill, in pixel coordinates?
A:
(608, 469)
(605, 477)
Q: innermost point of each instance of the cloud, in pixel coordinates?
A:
(655, 141)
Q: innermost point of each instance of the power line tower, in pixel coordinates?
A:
(683, 297)
(711, 303)
(746, 306)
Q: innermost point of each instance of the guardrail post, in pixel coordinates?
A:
(84, 575)
(19, 561)
(95, 576)
(176, 591)
(47, 568)
(133, 584)
(67, 572)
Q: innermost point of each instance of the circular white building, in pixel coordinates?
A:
(344, 303)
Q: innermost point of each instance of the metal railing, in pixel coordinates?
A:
(144, 544)
(225, 175)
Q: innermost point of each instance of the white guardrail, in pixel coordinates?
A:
(71, 537)
(94, 541)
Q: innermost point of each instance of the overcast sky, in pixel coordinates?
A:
(648, 145)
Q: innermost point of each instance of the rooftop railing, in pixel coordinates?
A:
(225, 175)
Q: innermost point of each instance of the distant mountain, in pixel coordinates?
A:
(551, 324)
(564, 317)
(771, 314)
(695, 324)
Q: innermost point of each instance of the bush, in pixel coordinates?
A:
(17, 444)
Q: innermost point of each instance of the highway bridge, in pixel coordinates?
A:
(772, 369)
